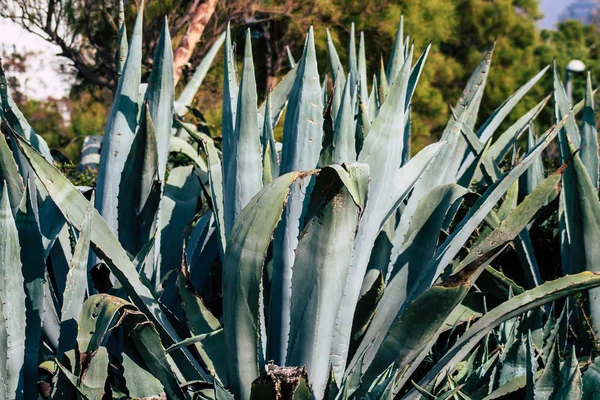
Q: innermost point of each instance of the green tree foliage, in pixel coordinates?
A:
(459, 30)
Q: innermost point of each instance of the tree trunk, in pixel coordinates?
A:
(184, 51)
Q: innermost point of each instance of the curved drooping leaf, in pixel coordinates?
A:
(321, 266)
(245, 165)
(188, 93)
(408, 261)
(13, 296)
(303, 130)
(479, 211)
(486, 131)
(73, 205)
(517, 305)
(179, 145)
(120, 129)
(242, 277)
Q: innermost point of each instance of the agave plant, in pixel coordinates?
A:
(330, 269)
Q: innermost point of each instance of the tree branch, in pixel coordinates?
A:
(184, 51)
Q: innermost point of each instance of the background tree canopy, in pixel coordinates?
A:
(459, 30)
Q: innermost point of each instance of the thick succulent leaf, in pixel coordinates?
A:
(382, 84)
(534, 174)
(9, 173)
(452, 245)
(517, 305)
(471, 96)
(139, 192)
(514, 360)
(516, 220)
(414, 329)
(148, 343)
(344, 150)
(3, 349)
(177, 210)
(303, 130)
(352, 63)
(363, 89)
(160, 94)
(230, 96)
(179, 145)
(505, 141)
(562, 107)
(82, 390)
(140, 382)
(202, 321)
(589, 135)
(215, 179)
(290, 57)
(73, 206)
(188, 93)
(548, 382)
(591, 381)
(13, 295)
(120, 129)
(279, 98)
(34, 266)
(488, 168)
(270, 158)
(582, 212)
(245, 165)
(570, 385)
(90, 153)
(17, 123)
(489, 127)
(97, 373)
(335, 65)
(242, 277)
(320, 270)
(193, 340)
(409, 260)
(378, 210)
(76, 288)
(397, 56)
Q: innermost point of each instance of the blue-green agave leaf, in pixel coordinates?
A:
(589, 135)
(245, 163)
(13, 295)
(120, 129)
(321, 266)
(303, 131)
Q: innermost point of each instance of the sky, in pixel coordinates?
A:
(551, 10)
(43, 79)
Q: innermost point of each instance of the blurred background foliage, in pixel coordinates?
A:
(460, 31)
